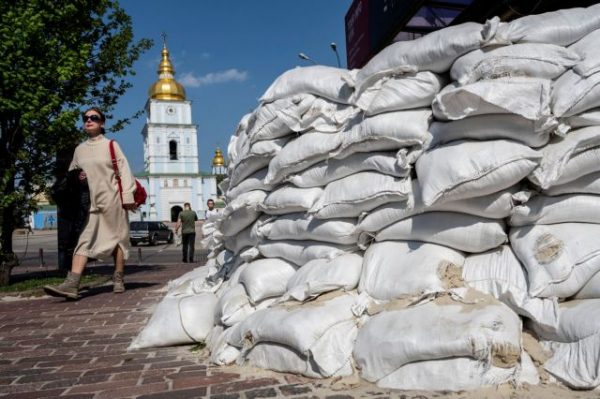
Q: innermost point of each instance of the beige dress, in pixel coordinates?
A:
(108, 223)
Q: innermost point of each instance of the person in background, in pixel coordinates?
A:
(106, 231)
(187, 221)
(211, 212)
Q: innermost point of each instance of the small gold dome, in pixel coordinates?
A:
(218, 159)
(166, 88)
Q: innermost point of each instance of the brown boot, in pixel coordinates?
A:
(67, 289)
(118, 282)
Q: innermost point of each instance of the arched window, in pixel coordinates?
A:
(172, 150)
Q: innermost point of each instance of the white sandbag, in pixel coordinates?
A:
(176, 320)
(322, 115)
(252, 182)
(194, 274)
(591, 290)
(302, 252)
(560, 258)
(240, 148)
(320, 80)
(221, 353)
(266, 278)
(300, 226)
(249, 237)
(467, 169)
(587, 49)
(241, 212)
(323, 275)
(573, 94)
(289, 199)
(455, 230)
(433, 52)
(268, 148)
(302, 152)
(579, 165)
(324, 172)
(486, 331)
(526, 97)
(562, 209)
(561, 27)
(401, 269)
(575, 345)
(494, 206)
(546, 61)
(284, 359)
(386, 132)
(233, 278)
(452, 374)
(233, 305)
(492, 127)
(588, 184)
(558, 153)
(266, 122)
(259, 155)
(360, 192)
(297, 326)
(588, 118)
(237, 137)
(408, 91)
(499, 273)
(194, 282)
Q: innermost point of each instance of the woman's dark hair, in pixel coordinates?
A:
(99, 112)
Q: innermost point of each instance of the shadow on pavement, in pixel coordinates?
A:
(102, 270)
(103, 289)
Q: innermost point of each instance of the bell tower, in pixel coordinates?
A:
(170, 137)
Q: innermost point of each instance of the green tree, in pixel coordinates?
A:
(56, 59)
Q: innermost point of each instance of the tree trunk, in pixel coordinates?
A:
(8, 259)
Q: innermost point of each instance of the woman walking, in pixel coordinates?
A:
(106, 232)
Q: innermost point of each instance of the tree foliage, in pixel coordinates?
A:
(56, 59)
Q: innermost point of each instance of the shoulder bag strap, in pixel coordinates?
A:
(116, 168)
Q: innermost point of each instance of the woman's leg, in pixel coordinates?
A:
(118, 277)
(70, 287)
(78, 265)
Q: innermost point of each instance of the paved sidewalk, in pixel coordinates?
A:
(50, 347)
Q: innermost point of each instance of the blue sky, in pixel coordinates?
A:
(226, 54)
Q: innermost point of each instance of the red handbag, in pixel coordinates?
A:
(140, 195)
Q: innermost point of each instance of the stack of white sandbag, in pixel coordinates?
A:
(366, 226)
(553, 233)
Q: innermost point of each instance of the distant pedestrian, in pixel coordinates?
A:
(106, 231)
(211, 213)
(187, 221)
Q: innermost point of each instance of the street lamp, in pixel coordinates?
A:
(306, 58)
(337, 56)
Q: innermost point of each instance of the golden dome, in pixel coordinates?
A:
(166, 87)
(218, 159)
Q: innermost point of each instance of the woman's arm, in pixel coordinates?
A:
(127, 178)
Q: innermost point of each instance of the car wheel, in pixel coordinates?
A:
(152, 240)
(133, 243)
(170, 238)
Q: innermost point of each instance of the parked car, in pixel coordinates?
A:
(150, 232)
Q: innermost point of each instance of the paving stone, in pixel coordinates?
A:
(243, 385)
(181, 394)
(289, 390)
(226, 396)
(132, 391)
(261, 393)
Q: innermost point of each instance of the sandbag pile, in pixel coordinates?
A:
(401, 222)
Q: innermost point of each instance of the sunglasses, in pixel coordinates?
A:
(93, 118)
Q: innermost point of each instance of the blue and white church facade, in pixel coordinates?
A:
(171, 168)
